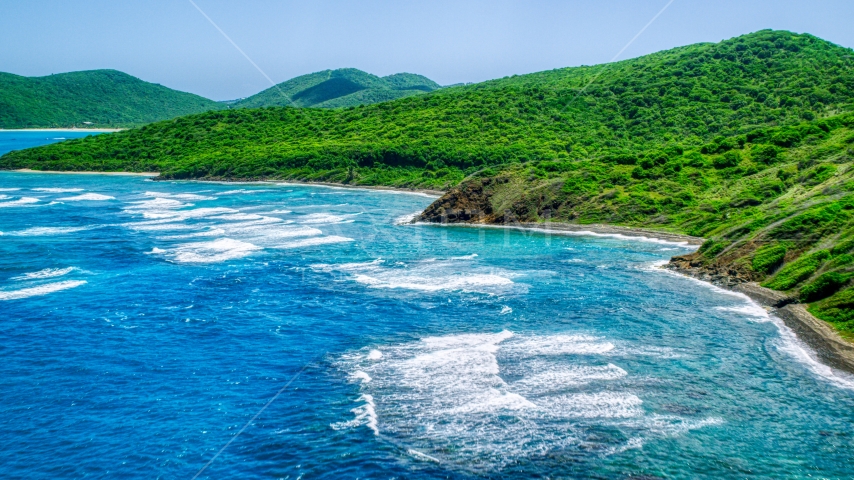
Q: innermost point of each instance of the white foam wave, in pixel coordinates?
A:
(546, 379)
(9, 189)
(427, 276)
(452, 394)
(213, 232)
(432, 284)
(91, 197)
(40, 290)
(46, 273)
(752, 310)
(561, 345)
(280, 212)
(179, 196)
(47, 231)
(366, 414)
(214, 251)
(57, 190)
(326, 218)
(311, 242)
(157, 205)
(243, 191)
(19, 202)
(505, 310)
(405, 219)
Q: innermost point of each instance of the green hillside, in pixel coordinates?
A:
(344, 87)
(745, 142)
(104, 98)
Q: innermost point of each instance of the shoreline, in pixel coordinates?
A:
(94, 130)
(829, 347)
(593, 230)
(417, 191)
(297, 183)
(53, 172)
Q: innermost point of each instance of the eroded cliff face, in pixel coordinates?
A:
(467, 202)
(724, 275)
(498, 200)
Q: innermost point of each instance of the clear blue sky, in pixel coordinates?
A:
(170, 42)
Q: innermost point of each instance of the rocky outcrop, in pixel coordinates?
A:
(694, 265)
(467, 202)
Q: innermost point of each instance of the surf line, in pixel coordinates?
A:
(281, 390)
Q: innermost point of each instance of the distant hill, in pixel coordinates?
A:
(345, 87)
(96, 98)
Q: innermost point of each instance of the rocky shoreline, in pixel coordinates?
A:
(830, 348)
(471, 208)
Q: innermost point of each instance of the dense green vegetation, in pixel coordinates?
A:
(746, 143)
(104, 98)
(346, 87)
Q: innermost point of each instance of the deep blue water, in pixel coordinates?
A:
(143, 324)
(21, 139)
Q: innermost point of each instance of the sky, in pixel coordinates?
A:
(173, 42)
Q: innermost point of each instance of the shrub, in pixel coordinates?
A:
(769, 257)
(838, 308)
(727, 160)
(766, 154)
(797, 271)
(824, 286)
(786, 138)
(710, 248)
(843, 247)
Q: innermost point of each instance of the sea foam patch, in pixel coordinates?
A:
(48, 231)
(218, 250)
(43, 274)
(179, 196)
(40, 290)
(87, 197)
(57, 190)
(484, 400)
(432, 275)
(23, 201)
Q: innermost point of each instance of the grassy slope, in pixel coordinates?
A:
(339, 88)
(107, 98)
(744, 142)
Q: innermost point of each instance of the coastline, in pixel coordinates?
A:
(593, 229)
(137, 174)
(830, 348)
(96, 130)
(420, 191)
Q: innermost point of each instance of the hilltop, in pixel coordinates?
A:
(344, 87)
(746, 143)
(103, 98)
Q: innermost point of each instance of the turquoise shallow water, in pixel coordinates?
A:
(21, 139)
(143, 324)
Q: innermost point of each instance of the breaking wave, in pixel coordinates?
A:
(487, 400)
(39, 290)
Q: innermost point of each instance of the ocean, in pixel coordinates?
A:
(169, 329)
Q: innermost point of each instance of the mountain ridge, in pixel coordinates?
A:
(94, 98)
(338, 88)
